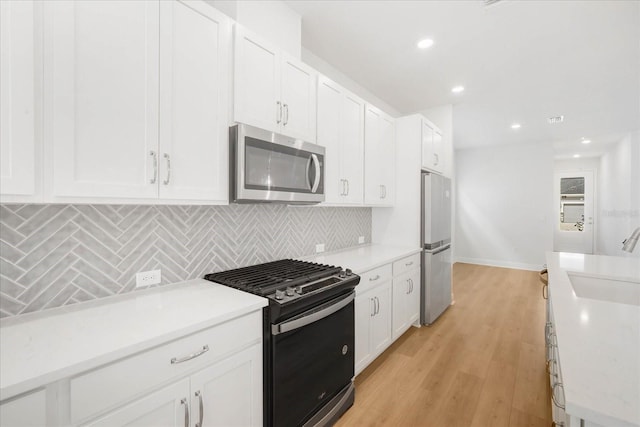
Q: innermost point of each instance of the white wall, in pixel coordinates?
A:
(271, 19)
(343, 80)
(619, 196)
(503, 205)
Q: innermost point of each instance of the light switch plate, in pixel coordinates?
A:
(361, 239)
(319, 248)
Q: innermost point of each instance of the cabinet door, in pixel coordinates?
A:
(381, 321)
(28, 410)
(229, 393)
(387, 159)
(427, 146)
(257, 82)
(17, 98)
(352, 148)
(438, 152)
(413, 298)
(379, 158)
(298, 96)
(167, 407)
(364, 311)
(194, 60)
(401, 288)
(329, 111)
(101, 97)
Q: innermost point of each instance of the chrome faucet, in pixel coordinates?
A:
(629, 243)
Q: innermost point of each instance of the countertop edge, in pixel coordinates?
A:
(11, 391)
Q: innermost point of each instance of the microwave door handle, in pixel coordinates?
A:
(309, 161)
(316, 182)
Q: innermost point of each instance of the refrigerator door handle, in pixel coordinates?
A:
(444, 248)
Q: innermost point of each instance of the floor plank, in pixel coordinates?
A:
(480, 364)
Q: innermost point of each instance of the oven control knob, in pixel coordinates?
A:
(279, 294)
(349, 272)
(342, 273)
(289, 291)
(299, 290)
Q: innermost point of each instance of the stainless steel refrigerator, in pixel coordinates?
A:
(436, 247)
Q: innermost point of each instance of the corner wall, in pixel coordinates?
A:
(619, 196)
(503, 205)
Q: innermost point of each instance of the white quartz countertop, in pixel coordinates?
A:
(363, 258)
(40, 349)
(598, 341)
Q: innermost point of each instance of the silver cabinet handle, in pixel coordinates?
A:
(154, 155)
(373, 279)
(408, 287)
(545, 295)
(377, 306)
(436, 159)
(175, 360)
(187, 421)
(279, 112)
(407, 264)
(553, 395)
(343, 187)
(373, 308)
(381, 192)
(199, 396)
(347, 181)
(286, 114)
(168, 159)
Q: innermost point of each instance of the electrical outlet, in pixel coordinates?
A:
(147, 278)
(361, 239)
(319, 248)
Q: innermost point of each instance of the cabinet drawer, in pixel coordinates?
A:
(406, 264)
(373, 278)
(116, 383)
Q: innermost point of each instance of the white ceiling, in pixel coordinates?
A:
(520, 61)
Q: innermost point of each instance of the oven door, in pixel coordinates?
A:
(312, 356)
(273, 167)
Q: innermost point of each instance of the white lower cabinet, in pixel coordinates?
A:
(406, 298)
(227, 393)
(29, 410)
(373, 316)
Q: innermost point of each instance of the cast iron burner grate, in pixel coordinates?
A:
(264, 279)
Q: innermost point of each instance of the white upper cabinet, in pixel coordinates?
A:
(379, 160)
(433, 153)
(17, 100)
(256, 82)
(194, 63)
(341, 132)
(135, 100)
(272, 90)
(101, 94)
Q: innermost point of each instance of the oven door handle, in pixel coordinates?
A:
(314, 316)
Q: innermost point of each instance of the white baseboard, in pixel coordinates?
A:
(499, 263)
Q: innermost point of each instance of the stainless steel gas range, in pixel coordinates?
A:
(308, 331)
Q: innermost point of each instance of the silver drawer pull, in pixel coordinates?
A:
(373, 279)
(408, 264)
(175, 360)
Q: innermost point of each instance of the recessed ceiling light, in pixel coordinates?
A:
(586, 141)
(426, 43)
(515, 126)
(457, 89)
(575, 156)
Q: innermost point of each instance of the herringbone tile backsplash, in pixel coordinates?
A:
(55, 255)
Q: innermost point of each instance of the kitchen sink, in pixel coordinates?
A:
(619, 290)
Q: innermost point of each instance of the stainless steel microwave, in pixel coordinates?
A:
(269, 167)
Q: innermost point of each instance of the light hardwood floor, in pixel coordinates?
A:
(481, 364)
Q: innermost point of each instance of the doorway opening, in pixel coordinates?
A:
(573, 220)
